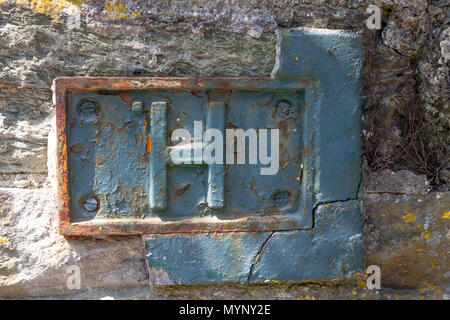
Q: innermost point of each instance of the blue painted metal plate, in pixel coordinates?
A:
(109, 158)
(121, 158)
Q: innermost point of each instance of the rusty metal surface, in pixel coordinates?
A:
(97, 117)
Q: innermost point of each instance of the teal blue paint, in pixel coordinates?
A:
(333, 59)
(331, 135)
(204, 257)
(216, 119)
(332, 249)
(114, 165)
(158, 156)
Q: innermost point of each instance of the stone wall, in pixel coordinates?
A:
(405, 99)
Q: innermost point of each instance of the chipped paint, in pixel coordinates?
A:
(286, 215)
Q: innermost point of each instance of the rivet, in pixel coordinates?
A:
(137, 107)
(91, 204)
(87, 107)
(284, 106)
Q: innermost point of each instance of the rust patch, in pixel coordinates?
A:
(125, 97)
(179, 192)
(148, 145)
(232, 125)
(77, 148)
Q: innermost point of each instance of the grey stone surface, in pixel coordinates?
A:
(406, 65)
(407, 236)
(397, 182)
(406, 62)
(34, 258)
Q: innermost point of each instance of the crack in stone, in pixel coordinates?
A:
(258, 256)
(261, 250)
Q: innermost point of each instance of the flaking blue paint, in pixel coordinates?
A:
(333, 248)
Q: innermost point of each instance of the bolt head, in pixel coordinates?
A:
(87, 108)
(91, 204)
(137, 107)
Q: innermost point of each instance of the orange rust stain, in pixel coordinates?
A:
(148, 146)
(125, 97)
(181, 191)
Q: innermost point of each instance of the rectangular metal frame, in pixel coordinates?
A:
(302, 219)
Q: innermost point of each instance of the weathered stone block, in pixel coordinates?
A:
(407, 236)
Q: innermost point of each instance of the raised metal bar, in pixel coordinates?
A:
(216, 172)
(158, 156)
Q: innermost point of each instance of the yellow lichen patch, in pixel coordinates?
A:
(52, 8)
(361, 284)
(409, 218)
(115, 10)
(427, 287)
(354, 292)
(4, 239)
(438, 292)
(446, 215)
(136, 13)
(425, 235)
(306, 298)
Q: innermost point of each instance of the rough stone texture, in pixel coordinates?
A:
(407, 236)
(406, 62)
(406, 66)
(402, 181)
(34, 258)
